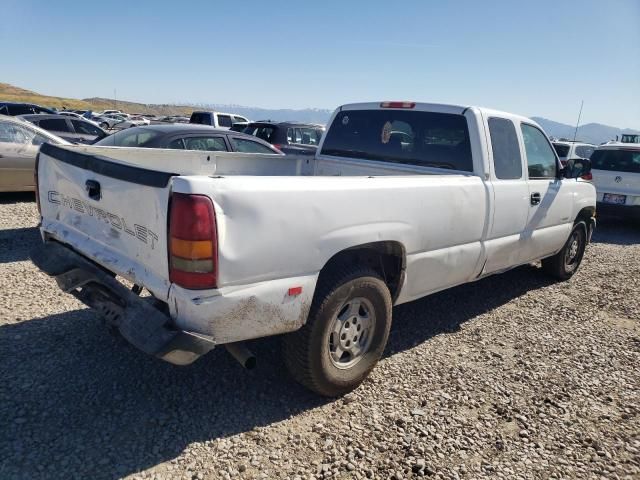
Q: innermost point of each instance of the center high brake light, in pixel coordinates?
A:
(397, 104)
(193, 245)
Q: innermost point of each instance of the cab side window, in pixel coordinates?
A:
(541, 158)
(224, 120)
(506, 151)
(54, 125)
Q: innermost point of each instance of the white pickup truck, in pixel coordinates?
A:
(402, 200)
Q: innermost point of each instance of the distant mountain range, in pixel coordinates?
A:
(590, 132)
(306, 115)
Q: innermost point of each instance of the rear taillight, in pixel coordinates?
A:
(193, 245)
(397, 104)
(588, 176)
(35, 182)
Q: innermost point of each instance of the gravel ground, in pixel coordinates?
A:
(511, 377)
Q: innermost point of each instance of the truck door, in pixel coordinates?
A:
(550, 198)
(510, 197)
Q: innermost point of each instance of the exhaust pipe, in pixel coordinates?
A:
(242, 354)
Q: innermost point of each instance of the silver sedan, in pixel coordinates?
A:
(19, 145)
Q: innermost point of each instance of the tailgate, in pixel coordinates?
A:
(112, 212)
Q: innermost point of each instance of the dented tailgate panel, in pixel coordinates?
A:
(121, 226)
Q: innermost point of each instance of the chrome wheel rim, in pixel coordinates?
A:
(351, 332)
(571, 256)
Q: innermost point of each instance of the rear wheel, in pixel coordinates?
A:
(566, 262)
(345, 334)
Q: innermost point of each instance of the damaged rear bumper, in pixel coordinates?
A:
(138, 319)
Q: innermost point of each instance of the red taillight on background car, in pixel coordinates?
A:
(588, 176)
(397, 104)
(193, 245)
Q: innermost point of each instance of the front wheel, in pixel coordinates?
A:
(104, 125)
(345, 334)
(566, 262)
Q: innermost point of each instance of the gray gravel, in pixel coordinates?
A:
(511, 377)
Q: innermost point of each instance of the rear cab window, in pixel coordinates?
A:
(426, 139)
(621, 160)
(507, 160)
(224, 121)
(201, 118)
(562, 149)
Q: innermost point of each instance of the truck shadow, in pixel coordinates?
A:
(75, 398)
(617, 231)
(446, 311)
(16, 197)
(15, 243)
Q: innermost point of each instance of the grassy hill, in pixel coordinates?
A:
(10, 93)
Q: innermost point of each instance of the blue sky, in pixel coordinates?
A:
(534, 58)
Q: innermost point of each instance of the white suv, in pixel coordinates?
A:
(616, 175)
(569, 150)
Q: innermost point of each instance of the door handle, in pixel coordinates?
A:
(535, 198)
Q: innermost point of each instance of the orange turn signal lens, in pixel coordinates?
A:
(192, 249)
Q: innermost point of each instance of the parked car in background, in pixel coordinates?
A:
(111, 112)
(70, 114)
(19, 145)
(139, 119)
(74, 130)
(216, 119)
(188, 137)
(288, 137)
(570, 150)
(116, 121)
(616, 175)
(172, 119)
(13, 109)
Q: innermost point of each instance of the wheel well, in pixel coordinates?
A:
(586, 214)
(387, 258)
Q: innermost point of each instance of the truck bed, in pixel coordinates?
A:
(125, 230)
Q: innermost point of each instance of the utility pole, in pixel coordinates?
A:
(115, 99)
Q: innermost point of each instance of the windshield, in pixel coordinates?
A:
(616, 160)
(401, 136)
(561, 149)
(131, 137)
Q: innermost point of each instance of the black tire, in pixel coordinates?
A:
(566, 262)
(104, 125)
(311, 352)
